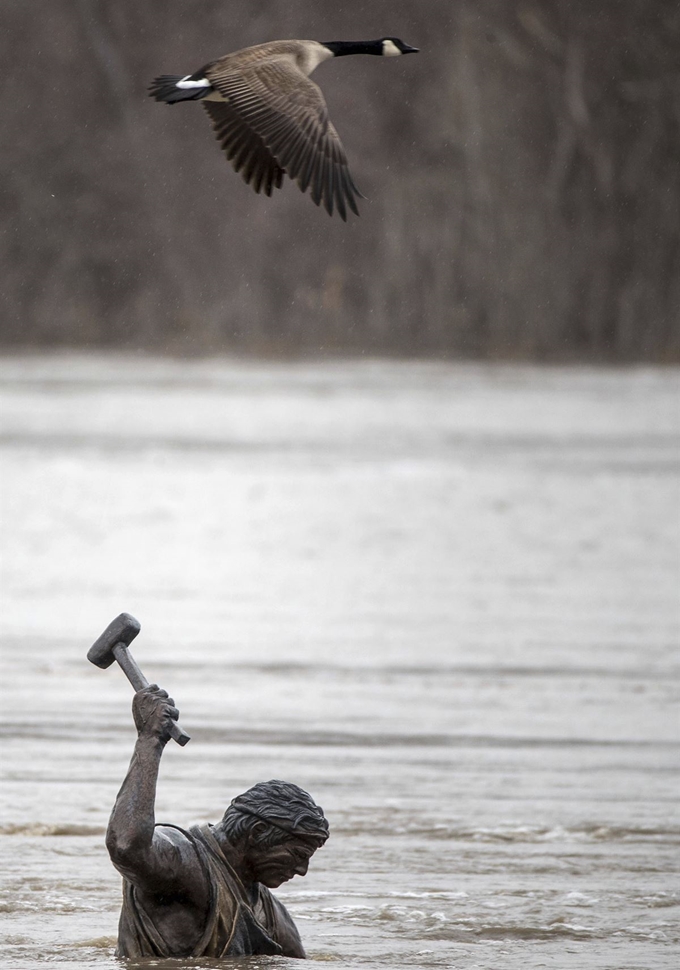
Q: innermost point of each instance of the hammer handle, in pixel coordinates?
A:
(139, 682)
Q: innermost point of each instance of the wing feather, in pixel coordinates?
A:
(244, 148)
(288, 117)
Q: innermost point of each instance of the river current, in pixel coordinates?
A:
(442, 598)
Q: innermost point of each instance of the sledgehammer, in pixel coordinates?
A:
(113, 645)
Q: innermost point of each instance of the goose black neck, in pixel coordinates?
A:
(340, 48)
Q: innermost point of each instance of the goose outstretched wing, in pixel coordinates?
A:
(286, 111)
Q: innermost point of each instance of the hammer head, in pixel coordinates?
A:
(121, 630)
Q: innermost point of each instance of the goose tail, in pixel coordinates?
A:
(172, 88)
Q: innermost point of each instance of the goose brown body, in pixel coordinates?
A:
(271, 119)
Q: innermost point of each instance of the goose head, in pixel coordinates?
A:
(384, 47)
(392, 47)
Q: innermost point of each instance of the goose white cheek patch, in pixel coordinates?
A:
(390, 49)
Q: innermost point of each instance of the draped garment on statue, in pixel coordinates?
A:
(235, 926)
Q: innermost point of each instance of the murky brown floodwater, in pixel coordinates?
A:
(442, 598)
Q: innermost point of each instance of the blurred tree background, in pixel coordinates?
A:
(522, 174)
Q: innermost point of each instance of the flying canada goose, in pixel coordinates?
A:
(271, 120)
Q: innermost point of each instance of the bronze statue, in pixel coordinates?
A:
(203, 892)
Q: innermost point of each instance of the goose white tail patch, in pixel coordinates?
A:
(186, 83)
(390, 49)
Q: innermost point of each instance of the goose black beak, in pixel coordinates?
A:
(410, 50)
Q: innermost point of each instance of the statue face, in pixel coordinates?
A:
(275, 864)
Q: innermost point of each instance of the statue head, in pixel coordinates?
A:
(278, 827)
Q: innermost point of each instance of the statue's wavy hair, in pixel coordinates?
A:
(286, 811)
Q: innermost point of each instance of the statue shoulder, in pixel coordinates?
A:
(280, 924)
(174, 841)
(172, 833)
